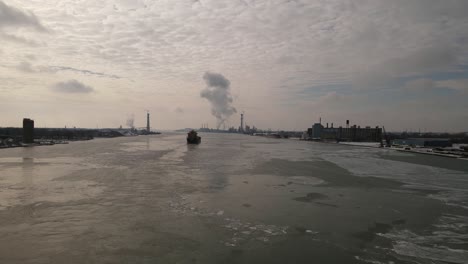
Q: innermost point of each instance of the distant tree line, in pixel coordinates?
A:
(457, 138)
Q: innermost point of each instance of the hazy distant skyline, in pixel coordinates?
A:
(398, 63)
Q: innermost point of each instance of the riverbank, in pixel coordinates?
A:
(447, 153)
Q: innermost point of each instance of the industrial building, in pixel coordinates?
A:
(423, 142)
(353, 133)
(28, 131)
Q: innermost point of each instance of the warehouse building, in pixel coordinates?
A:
(348, 133)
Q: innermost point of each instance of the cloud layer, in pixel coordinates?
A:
(286, 58)
(14, 17)
(72, 87)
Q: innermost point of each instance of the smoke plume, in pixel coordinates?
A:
(218, 94)
(130, 121)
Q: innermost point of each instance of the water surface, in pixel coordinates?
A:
(231, 199)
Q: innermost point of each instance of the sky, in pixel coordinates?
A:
(402, 64)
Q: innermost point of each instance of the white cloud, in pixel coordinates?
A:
(456, 84)
(423, 61)
(16, 24)
(14, 17)
(55, 69)
(426, 84)
(72, 87)
(18, 39)
(179, 110)
(329, 99)
(420, 85)
(26, 67)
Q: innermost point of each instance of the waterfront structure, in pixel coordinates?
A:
(316, 131)
(28, 131)
(424, 142)
(353, 133)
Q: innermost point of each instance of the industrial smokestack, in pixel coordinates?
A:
(242, 122)
(147, 121)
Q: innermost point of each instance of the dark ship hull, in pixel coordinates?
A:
(196, 140)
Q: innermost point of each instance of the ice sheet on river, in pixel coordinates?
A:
(241, 231)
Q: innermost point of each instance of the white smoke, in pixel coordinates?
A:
(131, 121)
(218, 94)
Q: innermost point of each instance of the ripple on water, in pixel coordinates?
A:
(32, 180)
(241, 231)
(305, 180)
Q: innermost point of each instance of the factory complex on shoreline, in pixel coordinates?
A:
(28, 135)
(349, 133)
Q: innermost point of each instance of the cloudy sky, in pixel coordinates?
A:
(398, 63)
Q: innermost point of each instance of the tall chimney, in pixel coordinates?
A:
(147, 122)
(242, 122)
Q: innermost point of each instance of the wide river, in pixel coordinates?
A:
(231, 199)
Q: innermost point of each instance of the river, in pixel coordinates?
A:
(231, 199)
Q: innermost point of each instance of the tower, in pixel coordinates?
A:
(28, 131)
(242, 122)
(147, 121)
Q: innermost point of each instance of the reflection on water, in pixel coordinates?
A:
(28, 168)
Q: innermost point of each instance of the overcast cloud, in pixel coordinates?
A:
(288, 62)
(13, 17)
(72, 87)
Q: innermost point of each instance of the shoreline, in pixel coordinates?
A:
(377, 145)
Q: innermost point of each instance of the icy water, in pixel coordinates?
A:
(232, 199)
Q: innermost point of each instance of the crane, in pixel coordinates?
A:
(387, 140)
